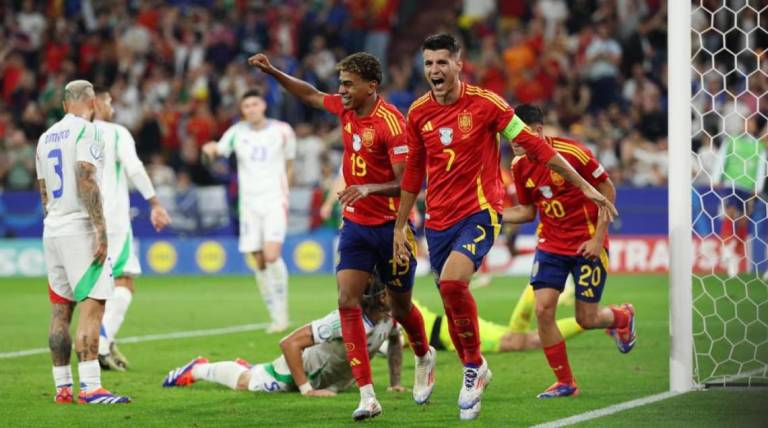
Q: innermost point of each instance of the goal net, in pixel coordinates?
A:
(729, 129)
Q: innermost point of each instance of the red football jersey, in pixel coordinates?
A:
(372, 144)
(568, 218)
(458, 145)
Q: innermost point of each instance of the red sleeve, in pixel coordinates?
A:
(591, 170)
(535, 146)
(523, 196)
(416, 163)
(397, 145)
(501, 118)
(332, 103)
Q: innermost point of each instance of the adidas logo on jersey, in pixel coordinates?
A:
(427, 127)
(529, 184)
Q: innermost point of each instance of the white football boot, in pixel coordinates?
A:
(424, 380)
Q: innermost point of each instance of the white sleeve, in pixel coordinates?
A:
(327, 329)
(88, 148)
(134, 169)
(290, 143)
(38, 166)
(226, 144)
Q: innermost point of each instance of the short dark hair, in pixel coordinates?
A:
(251, 93)
(441, 41)
(100, 90)
(364, 65)
(530, 114)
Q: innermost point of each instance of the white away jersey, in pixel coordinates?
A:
(70, 140)
(261, 156)
(120, 162)
(325, 362)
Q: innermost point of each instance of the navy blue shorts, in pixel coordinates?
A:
(551, 271)
(472, 236)
(367, 247)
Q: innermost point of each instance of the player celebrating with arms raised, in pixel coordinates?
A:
(265, 149)
(373, 134)
(572, 240)
(452, 134)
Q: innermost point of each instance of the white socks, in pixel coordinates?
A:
(225, 373)
(366, 392)
(273, 285)
(114, 315)
(90, 375)
(62, 376)
(278, 273)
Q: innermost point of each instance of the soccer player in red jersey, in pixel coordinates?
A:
(573, 239)
(375, 149)
(452, 135)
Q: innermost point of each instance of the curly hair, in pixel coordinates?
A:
(363, 64)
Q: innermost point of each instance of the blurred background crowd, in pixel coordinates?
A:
(177, 68)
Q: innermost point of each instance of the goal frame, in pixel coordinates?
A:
(681, 371)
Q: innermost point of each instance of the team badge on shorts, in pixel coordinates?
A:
(465, 122)
(356, 142)
(446, 135)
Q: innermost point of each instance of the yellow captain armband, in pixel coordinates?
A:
(514, 128)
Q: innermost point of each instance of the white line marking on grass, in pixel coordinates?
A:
(154, 337)
(599, 413)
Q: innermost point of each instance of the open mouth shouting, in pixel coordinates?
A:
(438, 83)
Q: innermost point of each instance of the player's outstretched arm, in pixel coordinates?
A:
(395, 362)
(43, 196)
(519, 214)
(591, 249)
(292, 346)
(136, 172)
(88, 191)
(300, 89)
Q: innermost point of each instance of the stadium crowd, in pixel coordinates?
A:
(177, 68)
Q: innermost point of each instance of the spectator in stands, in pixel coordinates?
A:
(20, 158)
(603, 56)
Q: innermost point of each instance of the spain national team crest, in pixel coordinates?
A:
(368, 136)
(446, 135)
(356, 142)
(557, 179)
(465, 122)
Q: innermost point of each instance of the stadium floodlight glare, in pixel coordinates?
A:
(718, 289)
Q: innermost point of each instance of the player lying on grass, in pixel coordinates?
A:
(573, 240)
(314, 360)
(497, 338)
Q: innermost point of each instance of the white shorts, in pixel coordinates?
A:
(124, 254)
(71, 272)
(258, 225)
(264, 378)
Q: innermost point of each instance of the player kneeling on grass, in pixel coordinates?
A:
(572, 240)
(314, 360)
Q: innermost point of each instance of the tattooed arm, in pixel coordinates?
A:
(88, 190)
(43, 196)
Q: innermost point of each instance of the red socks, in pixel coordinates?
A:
(620, 318)
(558, 361)
(353, 331)
(461, 310)
(413, 324)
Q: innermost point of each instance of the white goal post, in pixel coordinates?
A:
(718, 180)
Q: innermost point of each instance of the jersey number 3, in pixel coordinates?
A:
(55, 154)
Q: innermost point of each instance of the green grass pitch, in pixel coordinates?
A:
(174, 304)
